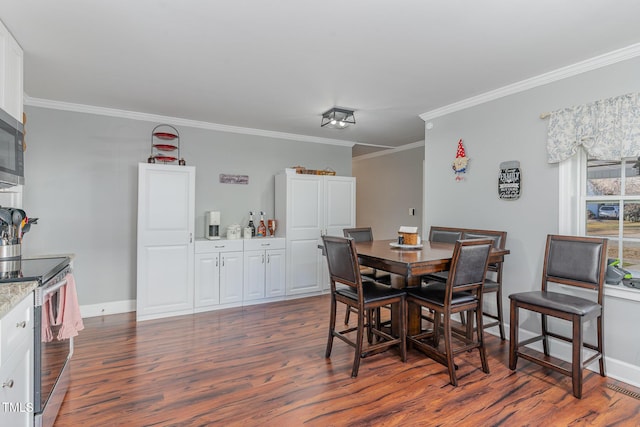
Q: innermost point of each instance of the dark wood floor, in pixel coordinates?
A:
(264, 365)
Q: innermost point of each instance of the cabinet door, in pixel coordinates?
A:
(11, 74)
(340, 204)
(166, 205)
(275, 272)
(207, 281)
(339, 213)
(305, 223)
(254, 275)
(231, 277)
(16, 393)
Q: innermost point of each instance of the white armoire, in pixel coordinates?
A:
(307, 207)
(166, 207)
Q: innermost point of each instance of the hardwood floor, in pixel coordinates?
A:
(264, 365)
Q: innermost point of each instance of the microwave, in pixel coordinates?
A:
(11, 151)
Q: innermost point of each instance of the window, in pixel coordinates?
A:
(612, 208)
(602, 198)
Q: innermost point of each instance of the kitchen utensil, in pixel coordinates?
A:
(5, 216)
(17, 215)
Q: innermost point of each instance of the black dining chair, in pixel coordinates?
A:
(573, 262)
(342, 261)
(365, 234)
(462, 292)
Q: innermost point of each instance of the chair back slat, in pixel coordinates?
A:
(499, 237)
(471, 264)
(575, 261)
(342, 261)
(468, 266)
(442, 235)
(360, 234)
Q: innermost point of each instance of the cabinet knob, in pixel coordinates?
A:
(22, 324)
(7, 384)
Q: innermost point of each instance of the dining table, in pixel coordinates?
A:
(408, 263)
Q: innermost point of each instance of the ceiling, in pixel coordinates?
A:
(277, 65)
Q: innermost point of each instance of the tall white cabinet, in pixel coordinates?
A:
(166, 212)
(309, 206)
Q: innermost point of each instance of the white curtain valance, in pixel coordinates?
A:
(608, 129)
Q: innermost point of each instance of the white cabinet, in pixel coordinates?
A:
(166, 212)
(264, 268)
(16, 365)
(309, 206)
(207, 280)
(230, 277)
(218, 273)
(11, 74)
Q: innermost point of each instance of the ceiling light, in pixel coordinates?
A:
(338, 118)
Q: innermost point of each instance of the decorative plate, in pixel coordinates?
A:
(165, 147)
(165, 135)
(166, 159)
(399, 246)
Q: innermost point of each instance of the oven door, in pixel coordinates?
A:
(51, 355)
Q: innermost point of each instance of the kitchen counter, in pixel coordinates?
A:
(12, 293)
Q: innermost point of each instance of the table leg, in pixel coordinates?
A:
(414, 314)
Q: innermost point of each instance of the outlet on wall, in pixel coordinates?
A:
(412, 211)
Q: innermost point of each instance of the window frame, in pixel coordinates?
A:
(572, 178)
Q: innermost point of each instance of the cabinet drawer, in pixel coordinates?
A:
(16, 327)
(264, 243)
(220, 245)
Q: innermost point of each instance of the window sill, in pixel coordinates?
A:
(622, 292)
(612, 291)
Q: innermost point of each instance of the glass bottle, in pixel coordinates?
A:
(262, 229)
(253, 227)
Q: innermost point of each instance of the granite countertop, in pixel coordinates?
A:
(12, 293)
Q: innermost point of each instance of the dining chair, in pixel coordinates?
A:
(365, 234)
(493, 282)
(574, 263)
(462, 292)
(342, 260)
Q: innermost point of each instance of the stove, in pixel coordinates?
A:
(51, 371)
(25, 270)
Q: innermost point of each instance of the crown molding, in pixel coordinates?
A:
(389, 151)
(177, 121)
(594, 63)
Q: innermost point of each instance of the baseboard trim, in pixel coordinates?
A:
(104, 309)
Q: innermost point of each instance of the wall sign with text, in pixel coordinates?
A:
(509, 180)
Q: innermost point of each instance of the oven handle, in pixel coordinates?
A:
(43, 291)
(49, 290)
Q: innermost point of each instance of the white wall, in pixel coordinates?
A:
(387, 186)
(509, 128)
(81, 181)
